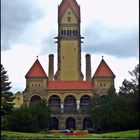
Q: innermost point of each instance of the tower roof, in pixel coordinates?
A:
(36, 70)
(74, 5)
(103, 70)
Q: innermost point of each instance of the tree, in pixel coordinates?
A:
(6, 95)
(5, 85)
(118, 111)
(30, 118)
(95, 112)
(132, 86)
(41, 112)
(21, 120)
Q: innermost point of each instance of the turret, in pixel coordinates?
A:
(103, 78)
(36, 77)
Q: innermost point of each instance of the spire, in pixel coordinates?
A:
(103, 70)
(73, 4)
(36, 70)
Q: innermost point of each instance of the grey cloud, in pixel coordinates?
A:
(15, 17)
(48, 43)
(119, 41)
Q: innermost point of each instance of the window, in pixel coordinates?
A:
(69, 19)
(62, 32)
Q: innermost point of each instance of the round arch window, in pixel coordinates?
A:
(35, 98)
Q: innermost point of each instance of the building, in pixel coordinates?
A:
(65, 91)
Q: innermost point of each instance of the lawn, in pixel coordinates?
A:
(122, 134)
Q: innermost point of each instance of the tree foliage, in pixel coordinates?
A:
(118, 111)
(6, 95)
(30, 118)
(5, 85)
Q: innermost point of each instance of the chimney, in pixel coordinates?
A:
(88, 67)
(51, 67)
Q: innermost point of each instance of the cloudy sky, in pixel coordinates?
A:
(28, 28)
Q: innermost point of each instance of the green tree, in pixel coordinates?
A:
(41, 112)
(118, 111)
(5, 85)
(95, 112)
(6, 95)
(30, 118)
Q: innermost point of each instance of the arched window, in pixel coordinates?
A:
(62, 32)
(85, 103)
(70, 33)
(35, 98)
(74, 33)
(69, 19)
(70, 104)
(54, 104)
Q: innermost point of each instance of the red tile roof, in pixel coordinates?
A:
(70, 85)
(36, 70)
(75, 7)
(103, 70)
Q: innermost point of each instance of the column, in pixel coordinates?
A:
(78, 105)
(62, 107)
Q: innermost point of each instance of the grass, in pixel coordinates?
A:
(121, 134)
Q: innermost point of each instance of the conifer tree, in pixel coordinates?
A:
(6, 95)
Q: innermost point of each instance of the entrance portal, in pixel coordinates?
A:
(87, 123)
(70, 123)
(54, 123)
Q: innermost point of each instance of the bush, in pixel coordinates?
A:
(4, 123)
(91, 131)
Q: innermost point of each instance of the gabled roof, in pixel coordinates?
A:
(73, 4)
(70, 85)
(103, 70)
(36, 70)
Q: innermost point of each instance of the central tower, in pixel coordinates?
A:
(69, 42)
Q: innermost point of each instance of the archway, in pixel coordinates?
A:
(70, 123)
(35, 98)
(104, 99)
(70, 104)
(54, 104)
(87, 123)
(85, 103)
(54, 124)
